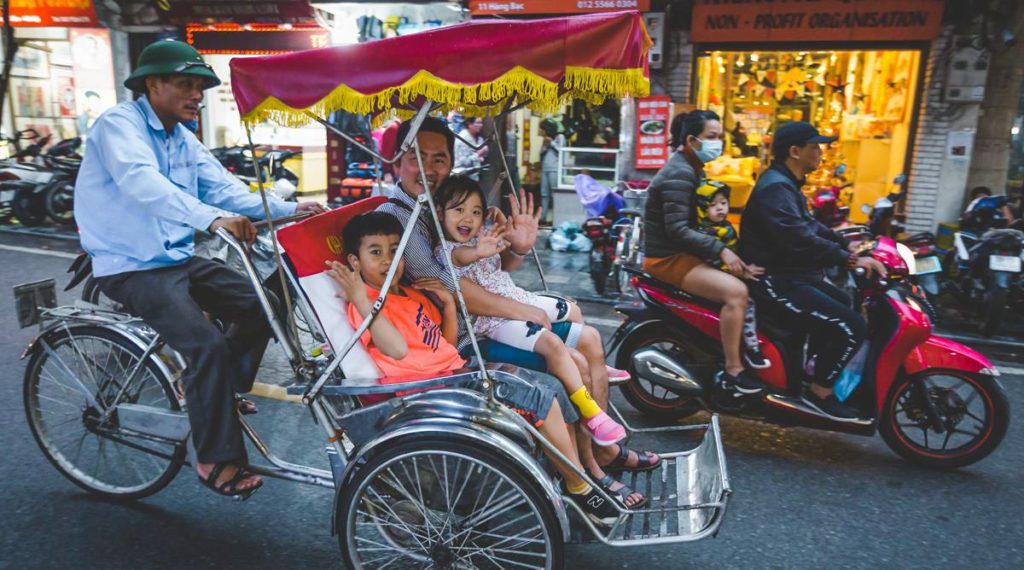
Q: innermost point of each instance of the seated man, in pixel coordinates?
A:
(411, 337)
(436, 143)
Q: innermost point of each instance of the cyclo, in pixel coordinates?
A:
(443, 475)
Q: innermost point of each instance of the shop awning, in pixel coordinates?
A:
(480, 66)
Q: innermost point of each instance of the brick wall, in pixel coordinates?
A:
(930, 142)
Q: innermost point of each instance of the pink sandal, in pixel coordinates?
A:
(604, 430)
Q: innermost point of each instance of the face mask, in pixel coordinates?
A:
(709, 150)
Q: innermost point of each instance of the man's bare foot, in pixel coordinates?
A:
(230, 479)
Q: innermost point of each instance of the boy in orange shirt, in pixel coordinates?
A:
(410, 336)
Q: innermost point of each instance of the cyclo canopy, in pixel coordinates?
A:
(477, 66)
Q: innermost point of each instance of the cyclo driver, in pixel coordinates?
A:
(145, 185)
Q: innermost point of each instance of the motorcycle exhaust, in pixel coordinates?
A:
(658, 368)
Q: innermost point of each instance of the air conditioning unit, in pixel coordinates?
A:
(655, 22)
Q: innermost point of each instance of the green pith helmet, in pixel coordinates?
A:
(168, 57)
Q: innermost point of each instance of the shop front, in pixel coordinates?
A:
(62, 76)
(853, 69)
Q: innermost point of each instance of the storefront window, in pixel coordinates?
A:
(864, 97)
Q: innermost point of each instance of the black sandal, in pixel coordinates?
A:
(229, 488)
(643, 461)
(622, 492)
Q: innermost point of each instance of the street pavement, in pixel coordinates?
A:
(803, 498)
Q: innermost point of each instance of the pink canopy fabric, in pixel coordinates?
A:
(477, 66)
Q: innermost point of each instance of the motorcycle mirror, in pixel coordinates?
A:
(900, 179)
(865, 208)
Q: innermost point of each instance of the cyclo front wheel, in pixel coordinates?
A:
(445, 502)
(70, 378)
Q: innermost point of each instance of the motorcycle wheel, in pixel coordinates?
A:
(59, 202)
(973, 409)
(995, 306)
(649, 398)
(597, 272)
(29, 208)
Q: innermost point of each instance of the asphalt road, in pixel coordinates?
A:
(803, 498)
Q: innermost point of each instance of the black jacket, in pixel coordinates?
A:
(779, 233)
(669, 227)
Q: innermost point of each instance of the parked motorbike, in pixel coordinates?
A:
(934, 402)
(985, 263)
(58, 195)
(616, 239)
(282, 182)
(19, 176)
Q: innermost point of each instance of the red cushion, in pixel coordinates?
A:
(315, 240)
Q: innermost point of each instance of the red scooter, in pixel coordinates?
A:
(935, 402)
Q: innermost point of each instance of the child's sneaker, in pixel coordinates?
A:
(598, 509)
(616, 376)
(604, 430)
(755, 358)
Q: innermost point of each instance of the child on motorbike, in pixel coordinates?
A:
(412, 337)
(712, 200)
(475, 252)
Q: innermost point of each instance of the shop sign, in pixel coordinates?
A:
(817, 20)
(184, 12)
(530, 7)
(53, 13)
(256, 39)
(653, 117)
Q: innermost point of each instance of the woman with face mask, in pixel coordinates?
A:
(677, 253)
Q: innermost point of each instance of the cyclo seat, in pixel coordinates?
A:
(307, 246)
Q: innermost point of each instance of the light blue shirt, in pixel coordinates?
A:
(141, 192)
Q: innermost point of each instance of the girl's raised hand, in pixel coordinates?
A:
(491, 241)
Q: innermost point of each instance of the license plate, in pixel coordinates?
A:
(926, 265)
(1004, 263)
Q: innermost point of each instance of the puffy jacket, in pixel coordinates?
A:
(779, 233)
(669, 225)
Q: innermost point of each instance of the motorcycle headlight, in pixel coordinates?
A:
(908, 257)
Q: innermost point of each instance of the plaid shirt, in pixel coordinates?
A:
(419, 257)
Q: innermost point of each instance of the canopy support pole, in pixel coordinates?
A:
(422, 114)
(427, 198)
(515, 196)
(293, 340)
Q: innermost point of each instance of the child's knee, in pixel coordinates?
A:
(549, 345)
(590, 340)
(575, 314)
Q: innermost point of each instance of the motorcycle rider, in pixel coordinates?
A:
(145, 185)
(779, 233)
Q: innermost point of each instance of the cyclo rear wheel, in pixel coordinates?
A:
(63, 391)
(442, 501)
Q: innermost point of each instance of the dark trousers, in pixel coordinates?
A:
(819, 309)
(171, 300)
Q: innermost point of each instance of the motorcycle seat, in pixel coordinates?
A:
(919, 237)
(630, 212)
(671, 289)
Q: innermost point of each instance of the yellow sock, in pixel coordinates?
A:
(582, 489)
(585, 403)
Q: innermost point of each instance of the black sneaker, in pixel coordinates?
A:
(755, 358)
(831, 407)
(744, 382)
(598, 509)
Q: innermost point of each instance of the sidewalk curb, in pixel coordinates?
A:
(37, 233)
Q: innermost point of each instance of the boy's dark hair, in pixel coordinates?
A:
(455, 190)
(690, 124)
(979, 191)
(430, 125)
(368, 224)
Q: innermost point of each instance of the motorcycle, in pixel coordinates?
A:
(58, 195)
(934, 402)
(20, 174)
(616, 240)
(985, 263)
(283, 183)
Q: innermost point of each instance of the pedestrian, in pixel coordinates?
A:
(470, 156)
(550, 150)
(145, 185)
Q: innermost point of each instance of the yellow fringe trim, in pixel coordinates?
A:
(519, 83)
